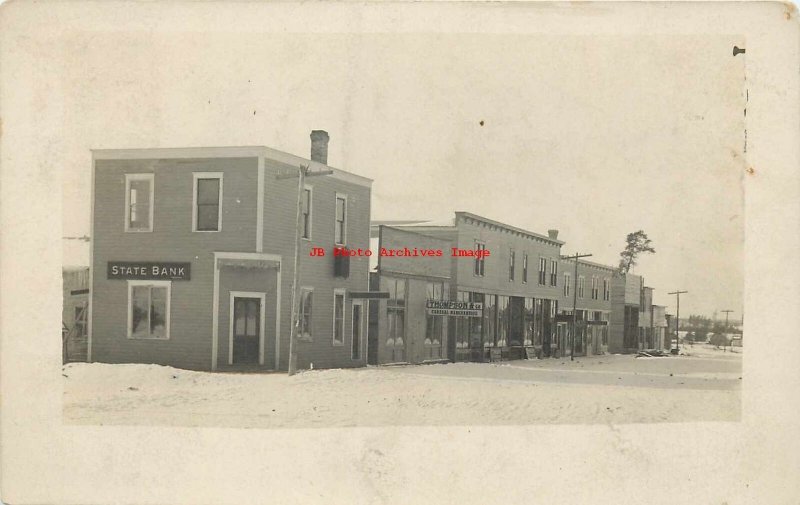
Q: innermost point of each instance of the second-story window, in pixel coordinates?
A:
(542, 271)
(524, 268)
(306, 217)
(511, 259)
(553, 273)
(207, 201)
(340, 224)
(606, 290)
(480, 259)
(567, 285)
(139, 202)
(581, 286)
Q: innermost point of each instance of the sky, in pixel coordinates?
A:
(595, 136)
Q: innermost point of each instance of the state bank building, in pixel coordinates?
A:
(192, 258)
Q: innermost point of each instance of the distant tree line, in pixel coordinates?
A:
(697, 328)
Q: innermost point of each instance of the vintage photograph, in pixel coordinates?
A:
(402, 252)
(354, 230)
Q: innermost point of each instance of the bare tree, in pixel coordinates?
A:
(637, 243)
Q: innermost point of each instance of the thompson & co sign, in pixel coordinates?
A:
(453, 308)
(149, 270)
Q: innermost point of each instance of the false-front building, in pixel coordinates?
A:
(494, 296)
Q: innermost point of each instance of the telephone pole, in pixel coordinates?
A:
(726, 318)
(677, 320)
(575, 256)
(302, 173)
(726, 327)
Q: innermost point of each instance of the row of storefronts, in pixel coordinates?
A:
(192, 265)
(520, 301)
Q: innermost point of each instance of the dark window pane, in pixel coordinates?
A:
(208, 191)
(208, 217)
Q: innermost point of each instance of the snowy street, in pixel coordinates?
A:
(702, 385)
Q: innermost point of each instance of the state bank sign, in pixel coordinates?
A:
(453, 308)
(149, 271)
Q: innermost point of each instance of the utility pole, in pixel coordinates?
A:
(301, 175)
(677, 320)
(575, 256)
(726, 327)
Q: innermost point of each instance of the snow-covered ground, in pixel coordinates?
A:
(703, 385)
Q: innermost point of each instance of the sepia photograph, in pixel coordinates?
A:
(482, 236)
(401, 252)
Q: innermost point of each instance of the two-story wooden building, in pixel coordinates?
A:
(192, 258)
(512, 276)
(626, 313)
(590, 293)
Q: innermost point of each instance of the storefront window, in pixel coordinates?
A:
(396, 311)
(434, 325)
(490, 320)
(462, 323)
(529, 322)
(476, 323)
(502, 321)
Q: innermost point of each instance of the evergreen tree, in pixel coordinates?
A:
(636, 244)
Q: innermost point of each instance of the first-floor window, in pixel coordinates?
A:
(434, 325)
(304, 314)
(396, 314)
(148, 309)
(490, 320)
(503, 313)
(338, 317)
(529, 322)
(462, 323)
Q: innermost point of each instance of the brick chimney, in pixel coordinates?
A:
(319, 146)
(553, 234)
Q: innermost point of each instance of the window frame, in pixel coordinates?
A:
(567, 284)
(343, 293)
(196, 176)
(479, 267)
(139, 177)
(553, 272)
(606, 289)
(310, 190)
(581, 286)
(542, 271)
(345, 211)
(512, 265)
(167, 310)
(524, 268)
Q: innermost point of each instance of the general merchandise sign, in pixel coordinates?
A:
(453, 308)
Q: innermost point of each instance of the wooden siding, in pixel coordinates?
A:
(496, 279)
(172, 239)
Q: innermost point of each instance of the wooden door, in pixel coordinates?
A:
(246, 329)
